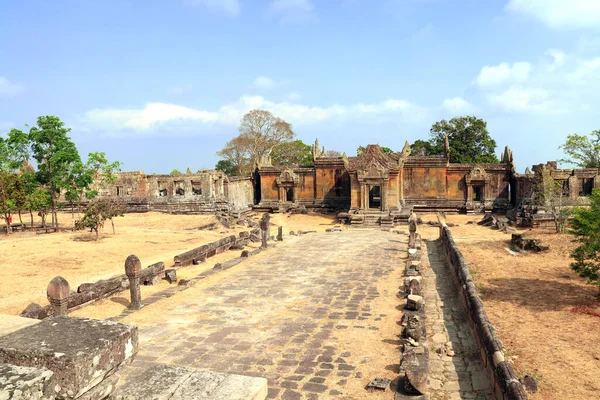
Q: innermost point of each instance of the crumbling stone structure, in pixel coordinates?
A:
(203, 192)
(379, 186)
(534, 192)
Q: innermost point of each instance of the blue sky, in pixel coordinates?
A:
(162, 84)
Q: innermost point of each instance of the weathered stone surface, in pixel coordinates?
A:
(34, 310)
(26, 383)
(162, 382)
(81, 352)
(171, 275)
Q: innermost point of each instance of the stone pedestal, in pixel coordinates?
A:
(58, 293)
(133, 270)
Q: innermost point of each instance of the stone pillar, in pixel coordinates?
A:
(412, 228)
(597, 181)
(133, 270)
(362, 196)
(383, 196)
(280, 234)
(264, 228)
(573, 187)
(58, 292)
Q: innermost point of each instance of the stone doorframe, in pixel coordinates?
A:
(365, 188)
(477, 177)
(287, 179)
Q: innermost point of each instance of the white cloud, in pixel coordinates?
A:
(229, 7)
(293, 11)
(503, 73)
(558, 14)
(9, 88)
(520, 99)
(457, 105)
(153, 115)
(586, 69)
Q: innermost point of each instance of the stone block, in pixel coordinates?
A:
(163, 382)
(80, 352)
(171, 275)
(414, 302)
(26, 383)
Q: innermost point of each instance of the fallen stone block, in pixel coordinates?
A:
(414, 302)
(26, 383)
(170, 382)
(171, 275)
(379, 384)
(80, 352)
(34, 311)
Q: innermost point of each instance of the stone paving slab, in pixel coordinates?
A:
(163, 382)
(282, 314)
(456, 371)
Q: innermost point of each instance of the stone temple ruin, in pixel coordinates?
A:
(383, 188)
(203, 192)
(374, 188)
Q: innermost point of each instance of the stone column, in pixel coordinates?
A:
(58, 295)
(280, 234)
(264, 228)
(362, 196)
(573, 187)
(597, 181)
(383, 196)
(133, 270)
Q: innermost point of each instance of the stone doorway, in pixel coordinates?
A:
(375, 197)
(478, 194)
(289, 194)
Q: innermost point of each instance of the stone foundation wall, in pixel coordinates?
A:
(506, 382)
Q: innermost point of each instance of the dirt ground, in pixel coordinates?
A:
(531, 299)
(30, 261)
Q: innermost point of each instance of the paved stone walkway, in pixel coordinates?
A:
(317, 316)
(461, 376)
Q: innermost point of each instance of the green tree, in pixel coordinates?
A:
(421, 148)
(56, 157)
(176, 172)
(469, 139)
(586, 228)
(39, 200)
(582, 151)
(227, 167)
(10, 189)
(296, 153)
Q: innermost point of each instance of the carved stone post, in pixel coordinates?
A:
(573, 187)
(264, 228)
(412, 228)
(280, 234)
(133, 270)
(58, 294)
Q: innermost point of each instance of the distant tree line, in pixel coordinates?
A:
(60, 170)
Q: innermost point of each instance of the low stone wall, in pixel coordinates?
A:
(414, 362)
(200, 254)
(506, 382)
(88, 293)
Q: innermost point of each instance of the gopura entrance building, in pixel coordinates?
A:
(385, 184)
